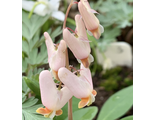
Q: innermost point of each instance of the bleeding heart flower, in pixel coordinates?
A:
(52, 98)
(56, 54)
(90, 20)
(81, 86)
(79, 44)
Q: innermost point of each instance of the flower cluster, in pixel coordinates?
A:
(79, 85)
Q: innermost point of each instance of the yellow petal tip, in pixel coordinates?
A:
(83, 102)
(59, 112)
(43, 111)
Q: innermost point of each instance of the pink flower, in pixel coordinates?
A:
(52, 98)
(80, 86)
(79, 44)
(90, 20)
(56, 54)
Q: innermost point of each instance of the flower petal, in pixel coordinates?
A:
(48, 90)
(52, 115)
(41, 10)
(86, 72)
(85, 62)
(50, 47)
(66, 94)
(101, 28)
(96, 33)
(54, 5)
(43, 111)
(80, 49)
(59, 112)
(83, 39)
(80, 27)
(27, 5)
(83, 102)
(90, 33)
(58, 15)
(90, 20)
(92, 11)
(82, 89)
(59, 59)
(94, 92)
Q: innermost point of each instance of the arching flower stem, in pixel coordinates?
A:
(67, 12)
(37, 3)
(70, 114)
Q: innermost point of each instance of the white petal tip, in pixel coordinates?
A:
(91, 58)
(89, 33)
(101, 28)
(93, 11)
(79, 61)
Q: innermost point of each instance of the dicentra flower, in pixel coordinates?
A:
(91, 22)
(56, 54)
(81, 86)
(79, 43)
(52, 98)
(44, 7)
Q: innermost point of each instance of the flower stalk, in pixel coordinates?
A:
(70, 114)
(68, 9)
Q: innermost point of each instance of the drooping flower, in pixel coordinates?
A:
(46, 7)
(79, 44)
(52, 98)
(56, 55)
(91, 22)
(81, 86)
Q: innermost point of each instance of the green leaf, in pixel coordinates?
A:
(75, 102)
(118, 13)
(30, 26)
(29, 110)
(34, 40)
(42, 57)
(111, 33)
(117, 105)
(24, 65)
(71, 21)
(23, 99)
(42, 39)
(24, 86)
(25, 47)
(108, 37)
(56, 32)
(36, 58)
(127, 118)
(33, 85)
(85, 113)
(30, 102)
(93, 42)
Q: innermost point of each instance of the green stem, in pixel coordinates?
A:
(37, 3)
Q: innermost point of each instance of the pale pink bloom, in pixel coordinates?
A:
(52, 98)
(91, 22)
(56, 54)
(79, 44)
(81, 86)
